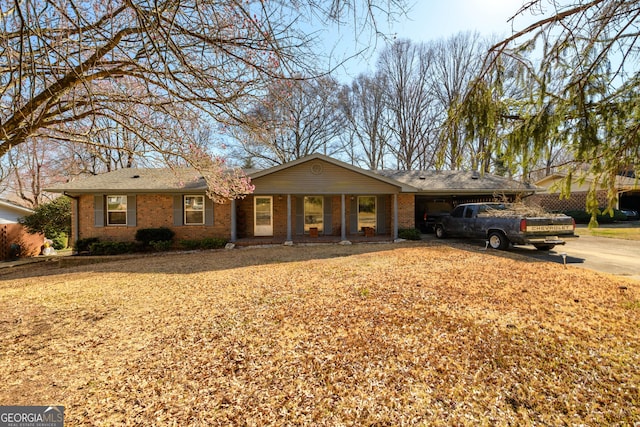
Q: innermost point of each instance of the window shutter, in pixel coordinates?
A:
(131, 211)
(353, 216)
(98, 211)
(178, 205)
(381, 215)
(208, 211)
(328, 224)
(299, 215)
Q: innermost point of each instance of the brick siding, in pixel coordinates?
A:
(156, 210)
(152, 211)
(406, 211)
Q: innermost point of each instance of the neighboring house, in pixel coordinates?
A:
(11, 232)
(313, 196)
(627, 189)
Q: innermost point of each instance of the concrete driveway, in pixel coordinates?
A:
(614, 256)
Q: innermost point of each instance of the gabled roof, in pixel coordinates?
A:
(379, 177)
(453, 182)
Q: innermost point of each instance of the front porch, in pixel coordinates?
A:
(333, 218)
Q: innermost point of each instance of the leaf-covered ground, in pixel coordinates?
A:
(405, 334)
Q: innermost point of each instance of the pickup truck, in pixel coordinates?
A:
(502, 224)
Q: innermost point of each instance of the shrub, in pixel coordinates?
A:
(60, 241)
(409, 233)
(161, 245)
(190, 244)
(112, 248)
(213, 243)
(148, 235)
(84, 245)
(50, 219)
(206, 243)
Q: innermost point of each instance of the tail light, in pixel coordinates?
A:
(574, 223)
(523, 225)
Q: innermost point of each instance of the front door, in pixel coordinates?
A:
(263, 216)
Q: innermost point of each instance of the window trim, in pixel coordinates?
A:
(108, 211)
(185, 210)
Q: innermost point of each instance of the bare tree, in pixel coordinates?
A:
(406, 66)
(298, 118)
(364, 107)
(30, 168)
(457, 60)
(61, 62)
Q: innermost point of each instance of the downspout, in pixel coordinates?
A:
(76, 219)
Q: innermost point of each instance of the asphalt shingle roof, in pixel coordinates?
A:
(134, 179)
(175, 180)
(454, 181)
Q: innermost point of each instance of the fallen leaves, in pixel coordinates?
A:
(328, 335)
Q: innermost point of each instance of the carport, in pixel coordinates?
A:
(629, 200)
(440, 191)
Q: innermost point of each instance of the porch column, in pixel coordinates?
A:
(343, 218)
(288, 217)
(234, 232)
(395, 216)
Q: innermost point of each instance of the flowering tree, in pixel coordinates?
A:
(65, 64)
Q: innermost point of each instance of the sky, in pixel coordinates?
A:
(440, 19)
(430, 20)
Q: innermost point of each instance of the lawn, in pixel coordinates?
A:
(626, 231)
(375, 334)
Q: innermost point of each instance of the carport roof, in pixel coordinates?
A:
(457, 182)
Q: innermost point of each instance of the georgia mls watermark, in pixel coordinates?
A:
(31, 416)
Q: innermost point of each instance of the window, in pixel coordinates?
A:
(193, 210)
(457, 212)
(366, 212)
(313, 213)
(116, 210)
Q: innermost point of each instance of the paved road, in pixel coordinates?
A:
(614, 256)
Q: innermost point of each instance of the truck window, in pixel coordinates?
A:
(469, 212)
(457, 212)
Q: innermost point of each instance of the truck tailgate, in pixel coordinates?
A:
(547, 226)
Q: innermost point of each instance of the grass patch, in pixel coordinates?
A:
(630, 231)
(408, 334)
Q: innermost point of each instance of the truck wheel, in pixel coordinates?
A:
(544, 247)
(440, 234)
(497, 240)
